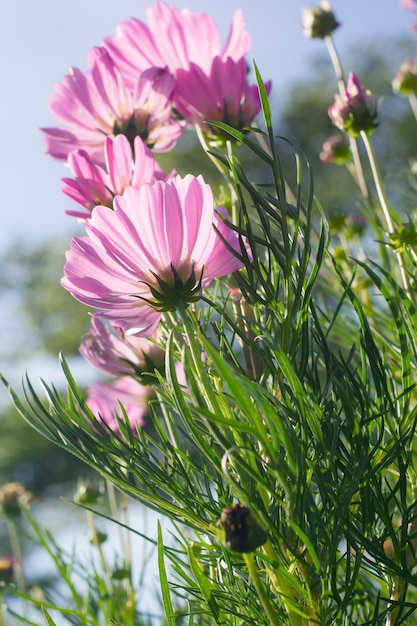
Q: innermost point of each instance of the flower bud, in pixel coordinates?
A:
(319, 22)
(120, 573)
(404, 237)
(7, 570)
(13, 497)
(336, 150)
(242, 533)
(88, 493)
(98, 537)
(356, 111)
(405, 82)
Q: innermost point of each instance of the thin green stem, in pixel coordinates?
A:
(17, 554)
(2, 615)
(287, 592)
(190, 330)
(233, 194)
(124, 501)
(386, 211)
(206, 147)
(111, 495)
(413, 103)
(260, 589)
(96, 542)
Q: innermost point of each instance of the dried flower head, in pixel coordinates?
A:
(242, 533)
(14, 496)
(319, 22)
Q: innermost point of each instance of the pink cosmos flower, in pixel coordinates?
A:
(410, 5)
(93, 184)
(157, 250)
(356, 111)
(104, 400)
(221, 95)
(99, 103)
(174, 39)
(114, 352)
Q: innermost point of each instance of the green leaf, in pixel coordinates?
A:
(205, 587)
(163, 580)
(48, 617)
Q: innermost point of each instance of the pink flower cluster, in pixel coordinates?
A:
(154, 240)
(410, 5)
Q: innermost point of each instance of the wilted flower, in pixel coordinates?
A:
(174, 39)
(157, 250)
(319, 22)
(98, 103)
(105, 399)
(242, 533)
(114, 352)
(405, 82)
(94, 184)
(14, 496)
(221, 95)
(336, 150)
(356, 111)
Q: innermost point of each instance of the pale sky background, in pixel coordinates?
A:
(41, 39)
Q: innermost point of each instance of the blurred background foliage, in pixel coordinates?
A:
(48, 320)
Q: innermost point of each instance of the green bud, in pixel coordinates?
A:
(88, 493)
(405, 236)
(405, 82)
(98, 537)
(120, 573)
(336, 150)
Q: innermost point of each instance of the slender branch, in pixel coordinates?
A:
(413, 103)
(263, 596)
(2, 615)
(17, 554)
(386, 211)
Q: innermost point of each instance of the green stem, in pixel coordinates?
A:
(111, 495)
(413, 103)
(190, 330)
(95, 541)
(17, 554)
(263, 596)
(285, 591)
(2, 615)
(233, 194)
(396, 594)
(386, 211)
(206, 147)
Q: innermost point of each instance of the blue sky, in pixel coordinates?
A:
(41, 39)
